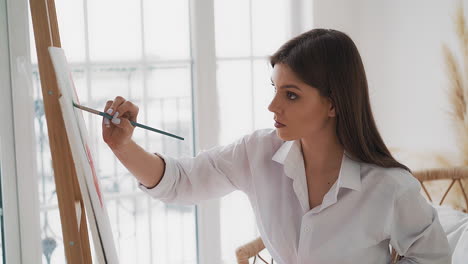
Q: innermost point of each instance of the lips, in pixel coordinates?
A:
(279, 122)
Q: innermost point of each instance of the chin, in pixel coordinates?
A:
(283, 135)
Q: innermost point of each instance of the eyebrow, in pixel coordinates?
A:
(287, 85)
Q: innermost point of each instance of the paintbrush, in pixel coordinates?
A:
(106, 115)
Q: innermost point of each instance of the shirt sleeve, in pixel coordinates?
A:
(211, 174)
(416, 233)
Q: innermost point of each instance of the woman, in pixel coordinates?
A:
(323, 185)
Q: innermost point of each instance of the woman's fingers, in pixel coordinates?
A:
(121, 110)
(108, 105)
(121, 130)
(115, 105)
(128, 110)
(126, 126)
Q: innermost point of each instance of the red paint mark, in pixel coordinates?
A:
(95, 179)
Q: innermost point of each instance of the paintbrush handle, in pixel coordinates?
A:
(155, 130)
(108, 116)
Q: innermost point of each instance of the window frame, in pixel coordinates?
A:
(20, 194)
(206, 132)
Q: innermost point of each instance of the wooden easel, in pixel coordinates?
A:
(71, 206)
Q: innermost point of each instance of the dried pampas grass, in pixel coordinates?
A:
(458, 98)
(457, 94)
(458, 88)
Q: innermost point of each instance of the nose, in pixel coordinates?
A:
(273, 106)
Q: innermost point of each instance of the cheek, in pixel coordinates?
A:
(311, 117)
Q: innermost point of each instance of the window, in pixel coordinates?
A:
(133, 53)
(141, 50)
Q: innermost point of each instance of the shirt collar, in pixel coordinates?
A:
(290, 155)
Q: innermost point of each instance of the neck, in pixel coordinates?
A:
(322, 153)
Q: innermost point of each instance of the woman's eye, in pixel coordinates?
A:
(293, 94)
(288, 94)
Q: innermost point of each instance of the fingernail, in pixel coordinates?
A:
(116, 121)
(110, 111)
(116, 114)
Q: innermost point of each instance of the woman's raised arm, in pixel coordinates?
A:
(146, 167)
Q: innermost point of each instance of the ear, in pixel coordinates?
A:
(331, 108)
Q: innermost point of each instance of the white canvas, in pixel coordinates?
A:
(96, 212)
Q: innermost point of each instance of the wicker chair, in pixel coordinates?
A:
(456, 174)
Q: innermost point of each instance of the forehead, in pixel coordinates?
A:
(283, 75)
(282, 71)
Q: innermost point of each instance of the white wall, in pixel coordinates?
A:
(401, 45)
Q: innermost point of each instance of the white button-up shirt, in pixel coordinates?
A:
(368, 207)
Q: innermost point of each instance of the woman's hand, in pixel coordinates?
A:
(118, 132)
(147, 168)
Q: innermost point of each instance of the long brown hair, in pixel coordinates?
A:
(328, 60)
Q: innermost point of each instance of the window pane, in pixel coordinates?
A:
(169, 82)
(79, 79)
(52, 241)
(235, 99)
(232, 29)
(161, 40)
(71, 27)
(269, 28)
(116, 35)
(137, 244)
(238, 224)
(157, 111)
(175, 246)
(107, 82)
(169, 108)
(44, 162)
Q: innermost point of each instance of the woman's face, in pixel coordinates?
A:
(298, 106)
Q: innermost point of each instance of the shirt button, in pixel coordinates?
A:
(306, 229)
